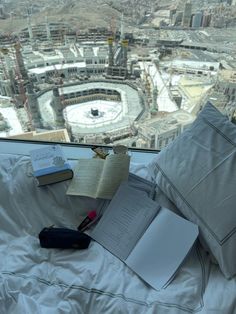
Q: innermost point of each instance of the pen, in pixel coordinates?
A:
(86, 222)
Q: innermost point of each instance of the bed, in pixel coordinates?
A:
(48, 281)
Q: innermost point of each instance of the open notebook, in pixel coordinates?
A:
(150, 239)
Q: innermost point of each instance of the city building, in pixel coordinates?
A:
(49, 136)
(197, 20)
(162, 129)
(206, 19)
(106, 86)
(187, 14)
(226, 84)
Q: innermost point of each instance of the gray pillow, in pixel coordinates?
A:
(197, 172)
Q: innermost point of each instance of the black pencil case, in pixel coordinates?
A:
(63, 238)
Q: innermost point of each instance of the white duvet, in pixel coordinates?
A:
(53, 281)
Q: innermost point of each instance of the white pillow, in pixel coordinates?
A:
(197, 172)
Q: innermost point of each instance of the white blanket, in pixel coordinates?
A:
(48, 281)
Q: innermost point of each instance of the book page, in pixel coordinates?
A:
(162, 248)
(125, 220)
(116, 170)
(139, 184)
(87, 173)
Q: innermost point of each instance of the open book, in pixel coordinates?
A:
(150, 239)
(99, 178)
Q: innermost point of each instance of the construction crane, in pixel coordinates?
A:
(22, 81)
(19, 77)
(165, 85)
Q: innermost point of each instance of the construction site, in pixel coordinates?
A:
(106, 85)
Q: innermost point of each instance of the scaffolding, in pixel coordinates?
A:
(22, 81)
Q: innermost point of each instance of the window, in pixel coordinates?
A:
(148, 71)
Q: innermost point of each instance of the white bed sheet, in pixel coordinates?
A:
(48, 281)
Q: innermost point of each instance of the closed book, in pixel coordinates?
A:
(50, 165)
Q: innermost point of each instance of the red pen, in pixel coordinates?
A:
(84, 224)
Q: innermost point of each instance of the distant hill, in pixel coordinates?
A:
(79, 13)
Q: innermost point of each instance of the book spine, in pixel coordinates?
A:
(52, 169)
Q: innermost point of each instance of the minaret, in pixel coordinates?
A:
(33, 107)
(22, 78)
(154, 108)
(110, 52)
(48, 29)
(20, 63)
(31, 36)
(57, 107)
(124, 52)
(122, 35)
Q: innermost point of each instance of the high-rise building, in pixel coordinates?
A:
(187, 14)
(206, 20)
(178, 17)
(226, 84)
(1, 11)
(197, 20)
